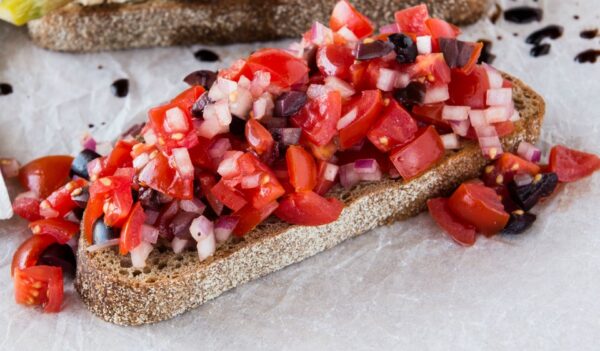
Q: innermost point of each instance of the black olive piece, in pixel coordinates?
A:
(456, 53)
(519, 222)
(237, 127)
(486, 52)
(206, 55)
(202, 77)
(101, 232)
(5, 89)
(58, 255)
(78, 212)
(527, 196)
(120, 88)
(540, 50)
(81, 198)
(405, 48)
(200, 104)
(149, 199)
(80, 162)
(414, 93)
(375, 49)
(287, 104)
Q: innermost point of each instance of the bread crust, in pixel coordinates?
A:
(172, 284)
(80, 28)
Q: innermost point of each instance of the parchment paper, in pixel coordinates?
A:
(405, 286)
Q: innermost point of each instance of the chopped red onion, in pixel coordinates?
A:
(151, 216)
(334, 83)
(495, 114)
(393, 173)
(149, 137)
(88, 142)
(347, 119)
(194, 205)
(140, 254)
(529, 152)
(178, 244)
(316, 90)
(450, 141)
(223, 113)
(201, 228)
(424, 44)
(251, 181)
(226, 86)
(331, 171)
(486, 131)
(224, 227)
(218, 148)
(287, 136)
(184, 165)
(490, 146)
(244, 82)
(9, 167)
(175, 121)
(494, 77)
(206, 247)
(347, 34)
(102, 245)
(164, 198)
(389, 28)
(436, 94)
(209, 128)
(215, 93)
(320, 34)
(240, 103)
(477, 118)
(348, 176)
(461, 127)
(141, 160)
(229, 165)
(180, 224)
(455, 113)
(499, 97)
(366, 166)
(371, 177)
(149, 234)
(263, 106)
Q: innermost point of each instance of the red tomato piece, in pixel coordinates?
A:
(357, 74)
(344, 14)
(469, 89)
(60, 200)
(207, 181)
(200, 156)
(431, 114)
(188, 97)
(309, 208)
(114, 193)
(27, 208)
(39, 285)
(61, 229)
(249, 217)
(480, 206)
(45, 174)
(368, 105)
(160, 176)
(323, 185)
(318, 118)
(460, 232)
(368, 150)
(269, 188)
(419, 155)
(394, 127)
(432, 67)
(171, 140)
(504, 169)
(228, 196)
(323, 152)
(237, 69)
(301, 167)
(571, 165)
(131, 234)
(259, 138)
(412, 20)
(93, 211)
(30, 251)
(335, 60)
(285, 69)
(440, 29)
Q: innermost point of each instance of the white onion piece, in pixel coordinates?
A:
(486, 131)
(347, 34)
(141, 160)
(450, 141)
(103, 245)
(348, 176)
(224, 226)
(178, 245)
(240, 103)
(460, 127)
(229, 165)
(334, 83)
(436, 94)
(251, 181)
(9, 167)
(175, 121)
(215, 93)
(140, 254)
(331, 171)
(490, 146)
(206, 247)
(201, 228)
(494, 77)
(210, 128)
(244, 82)
(263, 106)
(389, 28)
(529, 152)
(316, 90)
(522, 179)
(184, 165)
(260, 82)
(499, 97)
(320, 34)
(495, 114)
(347, 119)
(226, 86)
(150, 137)
(424, 44)
(477, 118)
(6, 210)
(455, 113)
(388, 79)
(149, 233)
(222, 112)
(218, 148)
(194, 205)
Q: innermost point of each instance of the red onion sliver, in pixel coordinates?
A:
(224, 227)
(371, 177)
(88, 142)
(450, 141)
(424, 44)
(334, 83)
(499, 97)
(222, 112)
(461, 127)
(240, 103)
(140, 254)
(366, 166)
(194, 205)
(522, 179)
(529, 152)
(9, 167)
(486, 131)
(103, 245)
(348, 176)
(436, 94)
(494, 77)
(455, 113)
(389, 28)
(151, 216)
(495, 114)
(260, 82)
(320, 34)
(347, 119)
(218, 148)
(206, 247)
(331, 171)
(149, 234)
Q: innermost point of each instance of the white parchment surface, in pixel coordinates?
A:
(405, 286)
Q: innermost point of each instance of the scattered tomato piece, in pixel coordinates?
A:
(480, 206)
(39, 285)
(460, 232)
(571, 165)
(45, 174)
(309, 208)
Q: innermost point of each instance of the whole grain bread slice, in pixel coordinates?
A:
(182, 22)
(175, 283)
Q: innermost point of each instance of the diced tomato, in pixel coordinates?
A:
(27, 207)
(61, 229)
(571, 165)
(115, 195)
(394, 127)
(285, 69)
(171, 140)
(419, 155)
(412, 20)
(460, 232)
(368, 150)
(188, 97)
(301, 168)
(309, 208)
(440, 29)
(469, 89)
(432, 68)
(93, 211)
(504, 169)
(335, 60)
(131, 234)
(207, 181)
(160, 176)
(269, 188)
(39, 285)
(259, 138)
(504, 128)
(236, 70)
(323, 152)
(344, 14)
(30, 251)
(60, 200)
(480, 206)
(357, 74)
(368, 105)
(323, 185)
(200, 156)
(431, 114)
(249, 217)
(45, 174)
(228, 196)
(318, 118)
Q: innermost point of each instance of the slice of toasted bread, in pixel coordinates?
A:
(178, 22)
(174, 283)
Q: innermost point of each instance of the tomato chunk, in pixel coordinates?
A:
(237, 69)
(39, 285)
(131, 234)
(469, 89)
(45, 174)
(27, 207)
(431, 114)
(188, 97)
(60, 201)
(460, 232)
(259, 138)
(335, 60)
(412, 20)
(30, 250)
(61, 229)
(268, 190)
(318, 118)
(228, 196)
(323, 185)
(440, 29)
(301, 167)
(92, 213)
(114, 195)
(285, 69)
(368, 106)
(344, 14)
(309, 208)
(394, 127)
(419, 155)
(249, 217)
(480, 206)
(571, 165)
(159, 175)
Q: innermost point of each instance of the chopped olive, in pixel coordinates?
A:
(200, 104)
(102, 233)
(405, 48)
(519, 222)
(414, 93)
(287, 104)
(59, 256)
(203, 78)
(79, 165)
(527, 196)
(374, 49)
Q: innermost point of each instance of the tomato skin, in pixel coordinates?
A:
(60, 200)
(200, 157)
(285, 69)
(412, 20)
(367, 151)
(39, 285)
(571, 165)
(269, 189)
(188, 97)
(394, 127)
(301, 168)
(318, 118)
(469, 89)
(160, 176)
(440, 29)
(369, 104)
(61, 229)
(335, 60)
(45, 174)
(27, 208)
(92, 213)
(114, 195)
(462, 233)
(419, 155)
(259, 138)
(432, 68)
(480, 206)
(323, 185)
(228, 196)
(131, 234)
(30, 250)
(344, 14)
(249, 217)
(432, 114)
(207, 181)
(309, 208)
(166, 140)
(237, 69)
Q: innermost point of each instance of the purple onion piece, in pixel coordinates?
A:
(203, 78)
(200, 104)
(375, 49)
(366, 166)
(180, 225)
(275, 122)
(226, 222)
(133, 131)
(287, 136)
(289, 103)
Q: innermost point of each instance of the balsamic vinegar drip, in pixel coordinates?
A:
(552, 31)
(120, 87)
(497, 12)
(523, 14)
(5, 89)
(589, 34)
(486, 52)
(206, 55)
(588, 56)
(540, 50)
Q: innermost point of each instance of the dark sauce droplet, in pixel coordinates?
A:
(486, 52)
(91, 125)
(576, 17)
(523, 14)
(589, 56)
(552, 31)
(496, 14)
(206, 55)
(120, 87)
(589, 34)
(5, 89)
(540, 50)
(100, 67)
